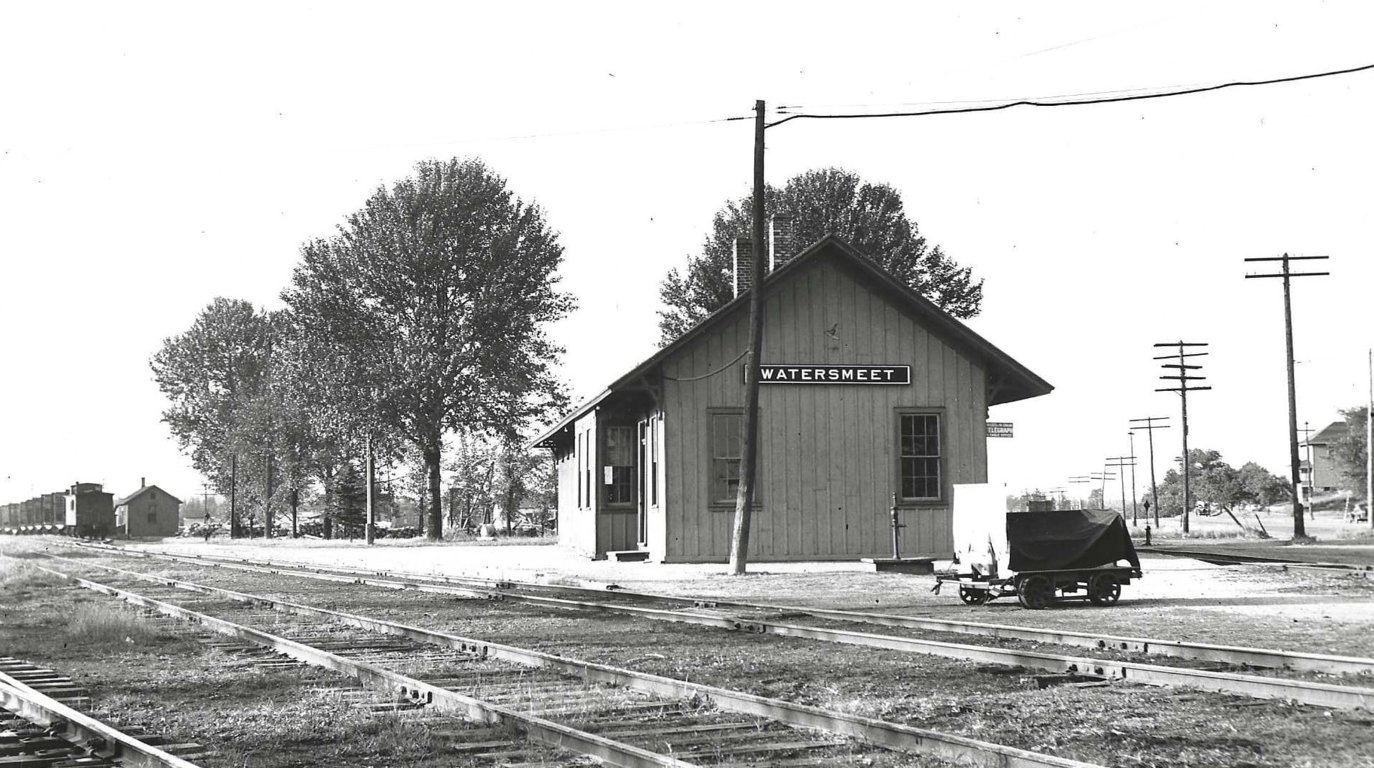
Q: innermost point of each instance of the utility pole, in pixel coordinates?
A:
(744, 501)
(1150, 426)
(1103, 477)
(1121, 463)
(1183, 389)
(1368, 444)
(1080, 479)
(1311, 484)
(1135, 507)
(1299, 530)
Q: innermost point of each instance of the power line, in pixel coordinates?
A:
(1078, 102)
(790, 109)
(565, 134)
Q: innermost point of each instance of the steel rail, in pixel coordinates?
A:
(1226, 654)
(1223, 557)
(1319, 694)
(83, 730)
(442, 699)
(879, 732)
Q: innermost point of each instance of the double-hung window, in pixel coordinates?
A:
(655, 424)
(918, 462)
(620, 465)
(726, 431)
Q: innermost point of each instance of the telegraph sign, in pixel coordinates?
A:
(999, 429)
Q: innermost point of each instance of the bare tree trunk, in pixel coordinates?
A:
(513, 485)
(326, 520)
(436, 507)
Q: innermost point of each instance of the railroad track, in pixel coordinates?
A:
(1216, 557)
(620, 717)
(1236, 656)
(1263, 687)
(40, 726)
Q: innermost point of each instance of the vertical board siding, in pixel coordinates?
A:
(828, 455)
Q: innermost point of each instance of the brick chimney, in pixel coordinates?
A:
(142, 482)
(782, 236)
(744, 260)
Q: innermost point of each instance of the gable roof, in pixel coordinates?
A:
(140, 492)
(1333, 432)
(1017, 381)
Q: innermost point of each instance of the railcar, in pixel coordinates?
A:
(1039, 557)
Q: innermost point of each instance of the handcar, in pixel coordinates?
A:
(1081, 553)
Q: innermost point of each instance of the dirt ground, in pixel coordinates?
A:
(1178, 599)
(1117, 725)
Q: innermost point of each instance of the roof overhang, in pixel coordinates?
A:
(1009, 380)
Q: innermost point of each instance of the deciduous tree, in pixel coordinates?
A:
(869, 216)
(1262, 486)
(1348, 452)
(218, 379)
(1217, 483)
(434, 298)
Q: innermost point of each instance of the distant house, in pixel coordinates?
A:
(147, 512)
(1323, 476)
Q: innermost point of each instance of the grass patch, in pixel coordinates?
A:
(101, 625)
(17, 576)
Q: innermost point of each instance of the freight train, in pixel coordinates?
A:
(83, 510)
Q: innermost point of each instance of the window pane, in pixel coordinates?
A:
(621, 487)
(653, 461)
(619, 459)
(726, 434)
(919, 458)
(619, 447)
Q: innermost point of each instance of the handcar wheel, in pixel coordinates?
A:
(972, 596)
(1104, 589)
(1035, 592)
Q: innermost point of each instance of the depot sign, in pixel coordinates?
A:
(834, 374)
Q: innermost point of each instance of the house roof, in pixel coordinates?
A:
(1017, 381)
(1330, 434)
(140, 492)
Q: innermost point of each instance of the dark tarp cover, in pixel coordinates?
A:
(1067, 539)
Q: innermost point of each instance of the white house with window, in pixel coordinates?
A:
(871, 395)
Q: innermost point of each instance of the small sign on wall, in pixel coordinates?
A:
(834, 374)
(999, 429)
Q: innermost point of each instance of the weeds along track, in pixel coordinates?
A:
(40, 726)
(1110, 659)
(617, 716)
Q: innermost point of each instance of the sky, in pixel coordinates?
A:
(154, 156)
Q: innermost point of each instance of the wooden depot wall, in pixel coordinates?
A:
(828, 452)
(828, 464)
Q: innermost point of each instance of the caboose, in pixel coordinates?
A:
(90, 511)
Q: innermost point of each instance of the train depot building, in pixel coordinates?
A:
(869, 393)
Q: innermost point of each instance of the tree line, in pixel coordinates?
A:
(420, 327)
(1218, 484)
(424, 316)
